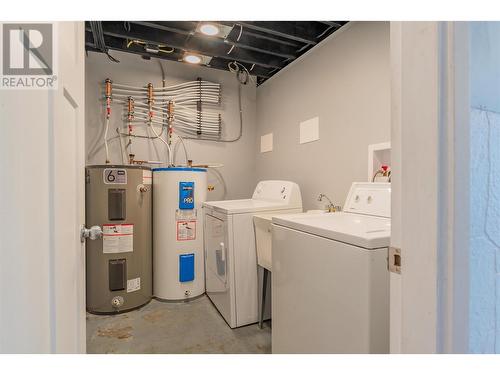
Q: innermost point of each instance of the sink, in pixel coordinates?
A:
(263, 239)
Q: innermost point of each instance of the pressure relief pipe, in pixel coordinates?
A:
(130, 118)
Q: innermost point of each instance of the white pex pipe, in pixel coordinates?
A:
(194, 124)
(170, 156)
(166, 88)
(212, 116)
(186, 117)
(106, 140)
(174, 98)
(190, 93)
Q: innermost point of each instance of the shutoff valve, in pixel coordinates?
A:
(93, 233)
(142, 188)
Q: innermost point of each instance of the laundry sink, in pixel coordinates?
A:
(263, 239)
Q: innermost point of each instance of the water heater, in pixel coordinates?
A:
(179, 267)
(119, 264)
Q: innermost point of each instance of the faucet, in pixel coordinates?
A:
(330, 207)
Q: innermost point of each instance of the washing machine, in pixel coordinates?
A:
(229, 244)
(330, 280)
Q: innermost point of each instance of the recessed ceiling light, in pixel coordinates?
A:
(192, 59)
(209, 29)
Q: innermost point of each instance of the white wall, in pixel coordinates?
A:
(485, 188)
(346, 82)
(238, 157)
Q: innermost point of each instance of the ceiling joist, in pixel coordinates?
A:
(263, 47)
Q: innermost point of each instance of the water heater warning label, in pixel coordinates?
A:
(186, 230)
(117, 238)
(133, 285)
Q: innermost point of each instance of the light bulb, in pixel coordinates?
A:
(192, 59)
(209, 29)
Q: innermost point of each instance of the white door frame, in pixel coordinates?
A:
(453, 264)
(36, 314)
(430, 117)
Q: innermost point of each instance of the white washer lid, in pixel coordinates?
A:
(369, 232)
(240, 206)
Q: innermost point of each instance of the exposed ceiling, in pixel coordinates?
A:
(263, 47)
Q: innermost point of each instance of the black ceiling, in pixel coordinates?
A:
(263, 47)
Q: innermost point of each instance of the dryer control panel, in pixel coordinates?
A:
(278, 191)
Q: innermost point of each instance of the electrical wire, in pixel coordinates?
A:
(241, 31)
(237, 39)
(242, 73)
(99, 42)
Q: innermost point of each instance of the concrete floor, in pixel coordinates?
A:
(186, 327)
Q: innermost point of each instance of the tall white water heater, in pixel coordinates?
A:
(178, 261)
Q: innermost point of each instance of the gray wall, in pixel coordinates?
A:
(346, 82)
(238, 158)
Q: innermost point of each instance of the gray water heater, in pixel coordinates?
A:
(119, 263)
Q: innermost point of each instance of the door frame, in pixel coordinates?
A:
(430, 200)
(31, 320)
(453, 259)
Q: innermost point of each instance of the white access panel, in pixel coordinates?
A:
(309, 130)
(339, 294)
(219, 264)
(266, 143)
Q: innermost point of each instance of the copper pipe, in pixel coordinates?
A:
(108, 87)
(107, 92)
